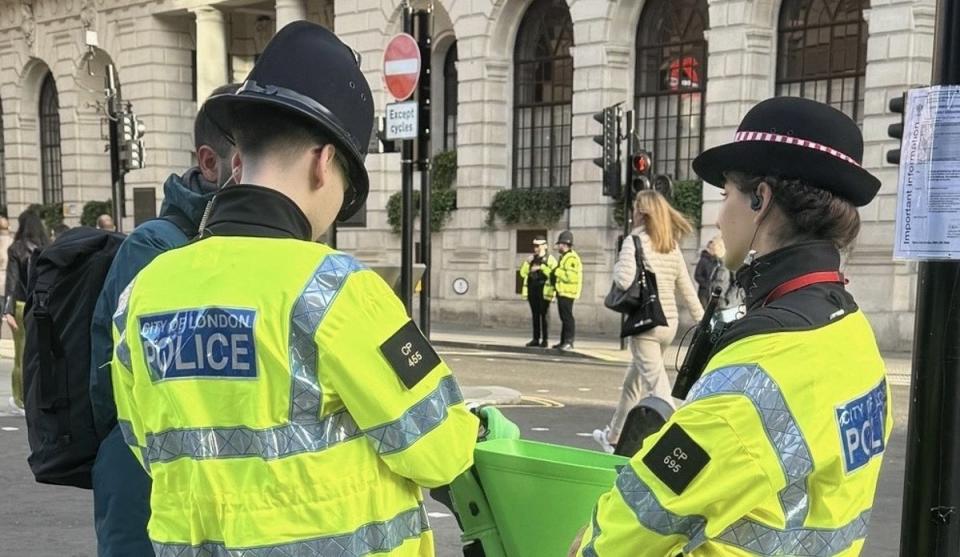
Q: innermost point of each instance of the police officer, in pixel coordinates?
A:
(275, 389)
(778, 448)
(568, 281)
(537, 289)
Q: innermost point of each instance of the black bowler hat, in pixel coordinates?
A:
(307, 70)
(792, 137)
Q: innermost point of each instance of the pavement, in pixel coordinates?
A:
(603, 349)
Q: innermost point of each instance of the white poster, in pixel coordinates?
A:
(928, 208)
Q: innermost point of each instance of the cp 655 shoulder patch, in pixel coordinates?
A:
(676, 459)
(861, 425)
(410, 354)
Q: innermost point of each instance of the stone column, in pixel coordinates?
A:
(211, 51)
(289, 11)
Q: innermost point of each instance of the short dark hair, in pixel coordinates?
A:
(206, 132)
(812, 213)
(261, 131)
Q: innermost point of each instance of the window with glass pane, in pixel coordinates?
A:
(671, 80)
(50, 161)
(450, 99)
(823, 52)
(543, 97)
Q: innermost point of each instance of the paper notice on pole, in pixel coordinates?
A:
(928, 208)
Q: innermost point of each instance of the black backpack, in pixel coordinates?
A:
(65, 281)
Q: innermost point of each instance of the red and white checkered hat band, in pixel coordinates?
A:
(777, 138)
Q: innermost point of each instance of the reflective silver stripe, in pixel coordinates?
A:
(130, 438)
(120, 322)
(650, 513)
(792, 450)
(418, 420)
(589, 550)
(233, 442)
(375, 537)
(763, 540)
(308, 311)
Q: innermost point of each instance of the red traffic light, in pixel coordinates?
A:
(640, 162)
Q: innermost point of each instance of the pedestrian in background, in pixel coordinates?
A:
(5, 240)
(711, 273)
(660, 228)
(538, 290)
(568, 281)
(31, 235)
(105, 222)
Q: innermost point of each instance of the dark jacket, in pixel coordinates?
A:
(705, 274)
(18, 266)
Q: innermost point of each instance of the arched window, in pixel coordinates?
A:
(543, 97)
(50, 161)
(671, 81)
(823, 52)
(450, 99)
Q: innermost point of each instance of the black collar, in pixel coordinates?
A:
(766, 273)
(245, 210)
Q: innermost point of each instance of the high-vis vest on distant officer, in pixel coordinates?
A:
(569, 275)
(283, 402)
(547, 267)
(777, 450)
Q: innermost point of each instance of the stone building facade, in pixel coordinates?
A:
(515, 83)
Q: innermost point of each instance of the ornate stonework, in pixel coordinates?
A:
(28, 23)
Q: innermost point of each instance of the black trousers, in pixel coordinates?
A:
(539, 313)
(569, 330)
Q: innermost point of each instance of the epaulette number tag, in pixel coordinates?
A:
(410, 354)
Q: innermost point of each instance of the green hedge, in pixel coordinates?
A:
(541, 207)
(443, 198)
(50, 213)
(93, 209)
(687, 198)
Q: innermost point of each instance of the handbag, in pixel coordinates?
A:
(626, 300)
(649, 313)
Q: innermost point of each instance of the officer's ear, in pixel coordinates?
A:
(325, 165)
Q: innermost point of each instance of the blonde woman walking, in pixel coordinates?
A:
(659, 227)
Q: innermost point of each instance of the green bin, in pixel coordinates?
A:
(540, 494)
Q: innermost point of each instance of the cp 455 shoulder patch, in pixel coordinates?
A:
(410, 354)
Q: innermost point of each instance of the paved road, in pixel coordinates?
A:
(46, 521)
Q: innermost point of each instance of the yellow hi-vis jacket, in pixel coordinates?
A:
(777, 452)
(547, 267)
(569, 275)
(283, 403)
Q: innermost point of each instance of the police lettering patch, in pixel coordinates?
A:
(206, 342)
(410, 354)
(861, 426)
(676, 459)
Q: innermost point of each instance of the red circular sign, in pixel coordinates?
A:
(401, 66)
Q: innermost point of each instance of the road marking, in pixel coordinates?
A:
(454, 359)
(584, 389)
(439, 515)
(584, 435)
(543, 390)
(490, 359)
(10, 428)
(533, 402)
(539, 429)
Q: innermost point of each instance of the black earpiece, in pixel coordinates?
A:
(756, 201)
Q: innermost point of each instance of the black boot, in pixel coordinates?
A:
(543, 343)
(532, 343)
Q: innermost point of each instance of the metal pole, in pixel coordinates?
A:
(424, 33)
(627, 201)
(406, 229)
(113, 109)
(930, 524)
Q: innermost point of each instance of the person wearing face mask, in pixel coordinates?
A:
(121, 489)
(275, 389)
(538, 290)
(778, 448)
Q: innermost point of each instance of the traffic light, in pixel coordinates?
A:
(895, 130)
(609, 140)
(663, 184)
(131, 141)
(640, 166)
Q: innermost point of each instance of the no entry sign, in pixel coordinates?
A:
(401, 66)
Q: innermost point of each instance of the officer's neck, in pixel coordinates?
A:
(291, 179)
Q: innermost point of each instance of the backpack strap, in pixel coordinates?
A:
(52, 393)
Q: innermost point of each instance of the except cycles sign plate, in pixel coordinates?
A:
(401, 120)
(401, 66)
